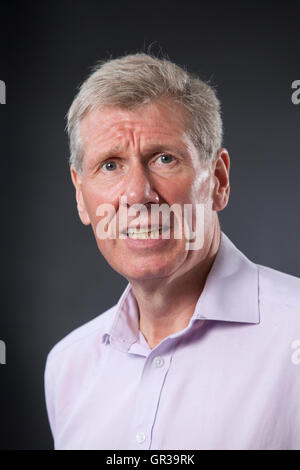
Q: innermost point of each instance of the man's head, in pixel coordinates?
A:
(145, 129)
(138, 79)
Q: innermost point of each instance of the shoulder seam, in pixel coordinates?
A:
(53, 352)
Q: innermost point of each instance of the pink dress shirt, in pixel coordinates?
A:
(229, 380)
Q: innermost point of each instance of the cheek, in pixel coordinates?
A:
(179, 192)
(195, 187)
(94, 199)
(196, 192)
(203, 189)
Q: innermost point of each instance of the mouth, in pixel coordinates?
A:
(145, 233)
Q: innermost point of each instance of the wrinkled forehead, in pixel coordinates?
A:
(157, 119)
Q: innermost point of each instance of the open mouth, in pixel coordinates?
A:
(145, 233)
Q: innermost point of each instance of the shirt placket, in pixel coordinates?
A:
(152, 381)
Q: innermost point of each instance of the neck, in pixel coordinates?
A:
(166, 305)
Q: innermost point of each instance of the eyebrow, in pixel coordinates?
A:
(116, 152)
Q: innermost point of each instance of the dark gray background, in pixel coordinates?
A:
(53, 278)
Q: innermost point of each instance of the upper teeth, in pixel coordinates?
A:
(143, 232)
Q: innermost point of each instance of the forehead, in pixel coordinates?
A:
(159, 120)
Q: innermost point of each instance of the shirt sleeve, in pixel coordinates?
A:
(49, 395)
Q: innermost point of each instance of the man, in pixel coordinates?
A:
(202, 349)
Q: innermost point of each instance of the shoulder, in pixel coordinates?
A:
(71, 362)
(278, 287)
(82, 338)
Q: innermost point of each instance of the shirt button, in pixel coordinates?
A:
(140, 437)
(158, 361)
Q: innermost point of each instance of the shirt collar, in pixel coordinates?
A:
(230, 294)
(231, 291)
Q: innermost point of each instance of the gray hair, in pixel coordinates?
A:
(138, 79)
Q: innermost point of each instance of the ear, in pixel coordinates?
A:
(221, 167)
(77, 181)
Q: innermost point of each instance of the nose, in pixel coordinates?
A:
(139, 187)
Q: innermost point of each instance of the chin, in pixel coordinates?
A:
(138, 277)
(148, 272)
(145, 267)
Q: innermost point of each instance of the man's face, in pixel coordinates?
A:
(147, 156)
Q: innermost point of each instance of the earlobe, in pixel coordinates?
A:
(77, 181)
(221, 174)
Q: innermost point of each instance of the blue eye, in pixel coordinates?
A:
(166, 158)
(110, 166)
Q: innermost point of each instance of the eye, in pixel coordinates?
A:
(166, 158)
(109, 166)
